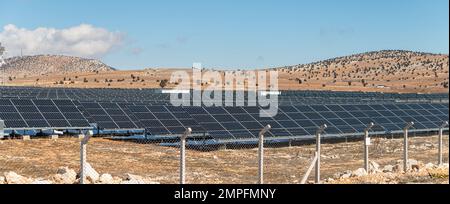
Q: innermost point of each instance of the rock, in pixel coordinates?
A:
(429, 166)
(337, 175)
(13, 178)
(2, 180)
(347, 172)
(106, 179)
(87, 181)
(91, 174)
(359, 172)
(335, 156)
(428, 145)
(135, 179)
(65, 175)
(398, 168)
(388, 169)
(117, 180)
(346, 176)
(374, 167)
(413, 164)
(41, 181)
(132, 182)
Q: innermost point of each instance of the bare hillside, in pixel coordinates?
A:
(50, 64)
(385, 70)
(381, 71)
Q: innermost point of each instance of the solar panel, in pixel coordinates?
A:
(108, 115)
(40, 114)
(162, 120)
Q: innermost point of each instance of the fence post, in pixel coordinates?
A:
(405, 145)
(183, 155)
(83, 156)
(261, 154)
(2, 129)
(366, 146)
(310, 168)
(441, 132)
(318, 134)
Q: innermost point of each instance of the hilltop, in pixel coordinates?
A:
(383, 70)
(50, 64)
(380, 71)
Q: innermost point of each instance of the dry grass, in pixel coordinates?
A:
(286, 81)
(430, 176)
(42, 157)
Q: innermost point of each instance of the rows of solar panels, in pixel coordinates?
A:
(241, 123)
(39, 114)
(299, 114)
(220, 123)
(154, 96)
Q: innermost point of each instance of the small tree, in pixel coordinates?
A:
(163, 83)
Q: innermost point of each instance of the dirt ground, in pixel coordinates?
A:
(151, 78)
(283, 165)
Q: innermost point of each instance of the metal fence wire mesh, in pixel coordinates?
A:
(109, 160)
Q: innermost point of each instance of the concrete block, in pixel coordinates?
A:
(26, 137)
(54, 137)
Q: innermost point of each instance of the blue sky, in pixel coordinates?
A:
(241, 34)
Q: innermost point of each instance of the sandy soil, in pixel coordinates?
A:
(42, 157)
(287, 81)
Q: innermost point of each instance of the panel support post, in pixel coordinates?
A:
(366, 146)
(261, 154)
(441, 132)
(405, 146)
(183, 155)
(318, 135)
(83, 156)
(2, 129)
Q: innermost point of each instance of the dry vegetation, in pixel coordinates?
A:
(45, 65)
(386, 71)
(42, 157)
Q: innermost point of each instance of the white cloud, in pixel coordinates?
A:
(84, 41)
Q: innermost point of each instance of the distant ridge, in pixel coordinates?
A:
(48, 64)
(380, 57)
(396, 71)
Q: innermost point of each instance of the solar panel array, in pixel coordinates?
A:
(108, 115)
(40, 114)
(164, 120)
(299, 115)
(293, 121)
(153, 96)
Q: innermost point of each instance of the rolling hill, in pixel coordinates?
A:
(379, 71)
(20, 67)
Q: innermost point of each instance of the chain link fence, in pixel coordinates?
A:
(139, 161)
